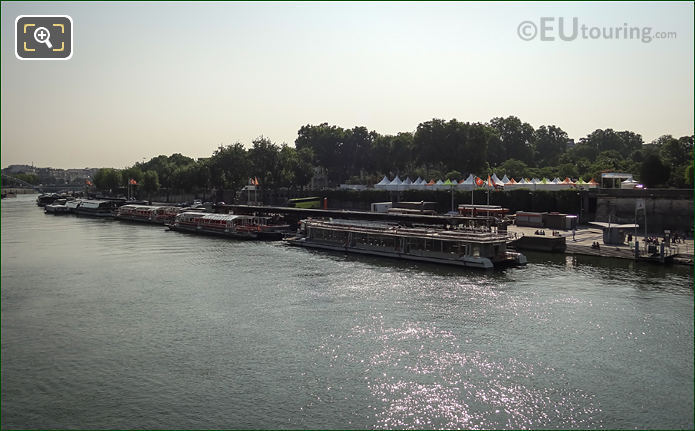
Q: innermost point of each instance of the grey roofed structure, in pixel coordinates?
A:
(615, 176)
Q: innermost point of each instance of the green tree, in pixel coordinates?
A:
(444, 146)
(182, 178)
(677, 154)
(326, 144)
(513, 169)
(598, 141)
(688, 174)
(29, 178)
(263, 159)
(401, 156)
(131, 173)
(516, 138)
(429, 143)
(550, 143)
(107, 179)
(653, 172)
(567, 170)
(294, 167)
(201, 175)
(150, 182)
(229, 167)
(454, 175)
(356, 151)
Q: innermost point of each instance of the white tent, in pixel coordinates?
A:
(439, 185)
(419, 184)
(407, 183)
(521, 184)
(505, 179)
(628, 184)
(496, 181)
(467, 184)
(383, 183)
(396, 184)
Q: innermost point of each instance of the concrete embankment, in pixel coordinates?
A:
(665, 208)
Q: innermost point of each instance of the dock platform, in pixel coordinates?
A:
(584, 237)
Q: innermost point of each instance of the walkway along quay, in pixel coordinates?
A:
(583, 239)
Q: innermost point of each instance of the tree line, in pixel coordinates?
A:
(229, 167)
(436, 149)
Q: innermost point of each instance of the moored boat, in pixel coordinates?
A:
(148, 213)
(229, 225)
(57, 207)
(72, 205)
(475, 248)
(46, 199)
(97, 208)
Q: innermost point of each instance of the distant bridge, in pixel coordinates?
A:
(10, 181)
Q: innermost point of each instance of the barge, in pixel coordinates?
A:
(229, 225)
(477, 247)
(59, 206)
(148, 213)
(46, 199)
(97, 208)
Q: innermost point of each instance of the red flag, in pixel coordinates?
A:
(255, 181)
(132, 182)
(479, 182)
(89, 183)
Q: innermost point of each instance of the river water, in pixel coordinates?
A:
(108, 324)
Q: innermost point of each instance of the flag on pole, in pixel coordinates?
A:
(479, 182)
(132, 182)
(89, 183)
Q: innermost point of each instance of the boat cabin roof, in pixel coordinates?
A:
(479, 236)
(140, 207)
(90, 203)
(213, 216)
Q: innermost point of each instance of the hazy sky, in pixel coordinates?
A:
(158, 78)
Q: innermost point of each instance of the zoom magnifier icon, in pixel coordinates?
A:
(42, 35)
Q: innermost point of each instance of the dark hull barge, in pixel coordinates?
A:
(473, 248)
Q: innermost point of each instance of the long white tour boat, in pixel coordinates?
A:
(148, 213)
(229, 225)
(475, 248)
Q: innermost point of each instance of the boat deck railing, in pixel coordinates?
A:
(475, 235)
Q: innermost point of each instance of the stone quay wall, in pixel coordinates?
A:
(665, 209)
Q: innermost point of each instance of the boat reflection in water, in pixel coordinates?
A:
(474, 247)
(229, 225)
